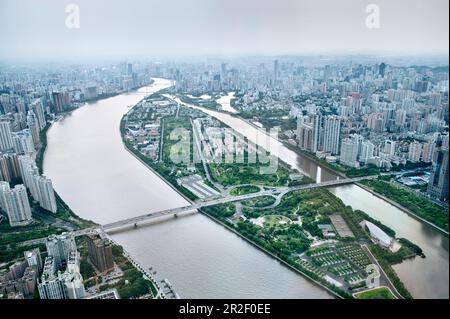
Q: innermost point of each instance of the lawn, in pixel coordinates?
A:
(378, 293)
(245, 189)
(248, 173)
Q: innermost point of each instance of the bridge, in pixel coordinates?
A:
(278, 191)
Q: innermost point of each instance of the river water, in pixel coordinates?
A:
(101, 181)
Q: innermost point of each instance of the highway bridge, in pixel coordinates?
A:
(278, 191)
(275, 191)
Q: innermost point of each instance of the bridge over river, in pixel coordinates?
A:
(277, 191)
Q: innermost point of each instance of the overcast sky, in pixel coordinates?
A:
(128, 28)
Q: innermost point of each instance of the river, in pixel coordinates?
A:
(101, 181)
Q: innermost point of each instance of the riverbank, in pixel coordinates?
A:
(402, 208)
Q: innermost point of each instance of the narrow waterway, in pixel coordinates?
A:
(101, 181)
(425, 278)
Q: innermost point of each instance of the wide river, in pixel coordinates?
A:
(101, 181)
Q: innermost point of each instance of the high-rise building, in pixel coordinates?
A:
(100, 253)
(382, 69)
(33, 125)
(331, 134)
(62, 285)
(414, 152)
(305, 136)
(9, 167)
(33, 258)
(46, 193)
(438, 185)
(349, 152)
(317, 133)
(428, 151)
(38, 109)
(6, 140)
(366, 151)
(72, 278)
(23, 142)
(59, 247)
(275, 70)
(60, 101)
(52, 285)
(389, 147)
(15, 203)
(40, 187)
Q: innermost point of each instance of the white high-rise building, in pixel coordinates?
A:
(23, 142)
(15, 203)
(428, 151)
(414, 152)
(331, 134)
(33, 125)
(46, 193)
(366, 152)
(6, 140)
(72, 277)
(38, 109)
(349, 152)
(60, 247)
(389, 147)
(317, 132)
(40, 187)
(52, 284)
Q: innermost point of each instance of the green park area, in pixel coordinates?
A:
(258, 202)
(244, 189)
(249, 173)
(378, 293)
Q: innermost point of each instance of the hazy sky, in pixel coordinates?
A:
(37, 29)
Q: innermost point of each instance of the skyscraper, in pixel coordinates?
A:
(317, 133)
(15, 203)
(414, 151)
(366, 152)
(331, 134)
(382, 69)
(349, 152)
(38, 109)
(33, 125)
(52, 284)
(40, 187)
(46, 194)
(438, 185)
(6, 140)
(9, 167)
(23, 142)
(100, 253)
(59, 247)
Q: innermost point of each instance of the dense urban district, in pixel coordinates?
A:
(378, 124)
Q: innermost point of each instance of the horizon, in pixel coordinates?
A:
(34, 31)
